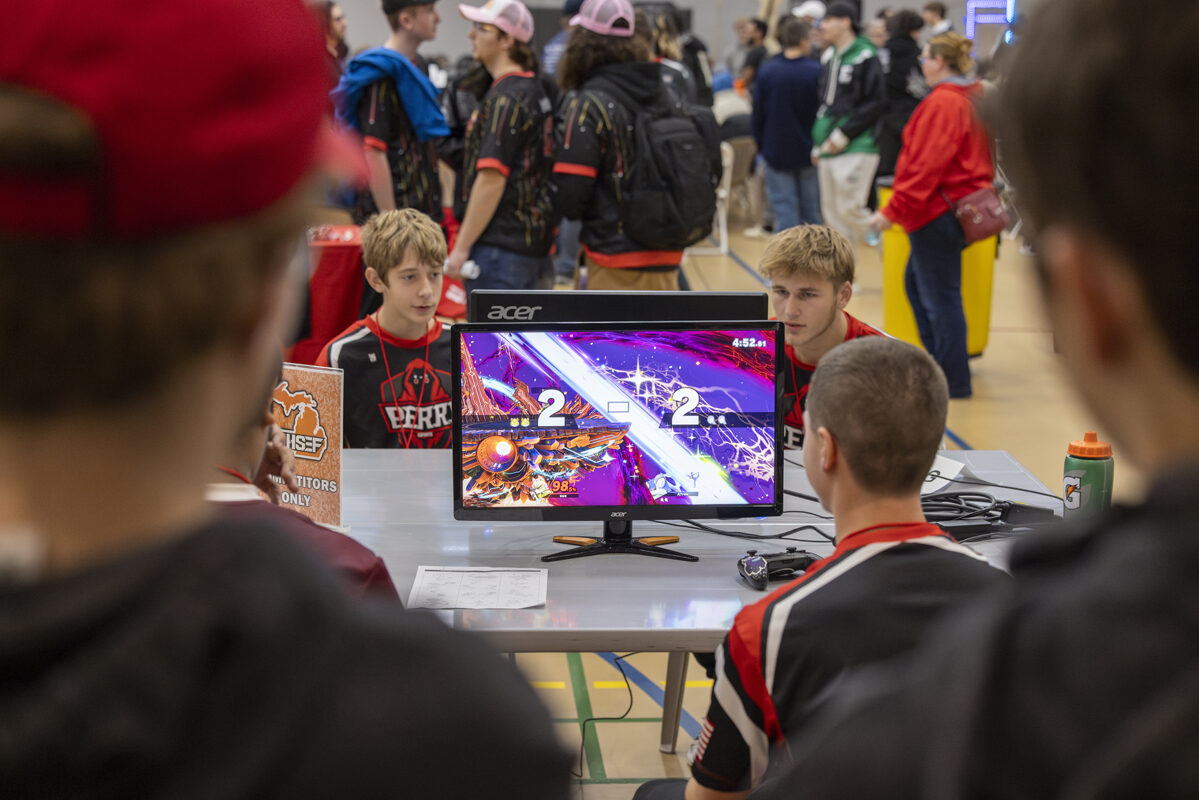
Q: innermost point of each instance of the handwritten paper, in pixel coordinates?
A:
(478, 587)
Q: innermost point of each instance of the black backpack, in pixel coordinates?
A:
(670, 187)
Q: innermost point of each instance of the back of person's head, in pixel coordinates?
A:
(937, 9)
(603, 34)
(793, 32)
(1107, 146)
(885, 402)
(954, 49)
(136, 236)
(388, 237)
(809, 250)
(904, 22)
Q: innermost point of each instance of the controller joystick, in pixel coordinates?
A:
(759, 569)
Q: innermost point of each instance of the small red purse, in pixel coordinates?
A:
(981, 214)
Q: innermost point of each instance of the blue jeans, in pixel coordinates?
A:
(794, 196)
(503, 269)
(934, 285)
(568, 248)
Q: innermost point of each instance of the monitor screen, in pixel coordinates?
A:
(617, 420)
(499, 305)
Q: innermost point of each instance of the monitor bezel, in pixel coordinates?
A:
(624, 301)
(605, 513)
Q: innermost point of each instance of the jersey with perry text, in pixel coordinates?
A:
(385, 126)
(796, 377)
(397, 391)
(874, 598)
(512, 131)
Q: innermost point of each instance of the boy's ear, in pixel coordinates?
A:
(830, 454)
(844, 294)
(373, 279)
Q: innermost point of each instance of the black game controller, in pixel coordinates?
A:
(759, 568)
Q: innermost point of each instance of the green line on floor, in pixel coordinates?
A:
(578, 683)
(574, 720)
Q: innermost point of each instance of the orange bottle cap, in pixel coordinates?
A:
(1089, 447)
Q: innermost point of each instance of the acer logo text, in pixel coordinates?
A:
(513, 312)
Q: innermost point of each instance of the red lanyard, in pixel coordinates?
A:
(406, 437)
(235, 474)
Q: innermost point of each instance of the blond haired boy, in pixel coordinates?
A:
(811, 272)
(397, 360)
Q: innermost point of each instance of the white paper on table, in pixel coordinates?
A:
(478, 587)
(943, 470)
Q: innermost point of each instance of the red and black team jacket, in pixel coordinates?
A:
(593, 145)
(397, 391)
(796, 377)
(875, 597)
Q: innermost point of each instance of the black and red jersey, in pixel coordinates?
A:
(874, 598)
(414, 173)
(397, 391)
(512, 131)
(796, 377)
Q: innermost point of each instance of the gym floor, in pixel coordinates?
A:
(1022, 403)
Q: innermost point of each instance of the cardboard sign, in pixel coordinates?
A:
(307, 405)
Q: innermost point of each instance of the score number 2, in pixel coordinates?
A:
(688, 399)
(549, 416)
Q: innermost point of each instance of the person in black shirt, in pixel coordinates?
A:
(1079, 681)
(149, 648)
(507, 219)
(387, 97)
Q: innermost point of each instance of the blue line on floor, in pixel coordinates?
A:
(655, 692)
(958, 440)
(741, 263)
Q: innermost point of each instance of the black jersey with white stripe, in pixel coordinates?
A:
(872, 599)
(397, 391)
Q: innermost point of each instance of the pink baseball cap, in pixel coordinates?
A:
(204, 110)
(510, 16)
(606, 17)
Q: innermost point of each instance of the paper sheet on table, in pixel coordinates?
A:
(939, 476)
(478, 587)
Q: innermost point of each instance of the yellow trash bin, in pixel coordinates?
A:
(978, 272)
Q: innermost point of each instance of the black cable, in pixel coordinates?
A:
(583, 727)
(961, 505)
(936, 474)
(688, 523)
(794, 462)
(801, 495)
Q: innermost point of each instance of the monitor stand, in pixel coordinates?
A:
(618, 539)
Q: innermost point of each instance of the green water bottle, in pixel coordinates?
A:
(1087, 476)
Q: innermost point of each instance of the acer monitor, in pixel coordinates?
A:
(500, 305)
(617, 422)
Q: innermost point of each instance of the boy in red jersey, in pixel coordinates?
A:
(397, 360)
(811, 272)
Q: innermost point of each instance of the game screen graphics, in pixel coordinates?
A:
(617, 418)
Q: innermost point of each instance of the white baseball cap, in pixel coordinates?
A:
(810, 8)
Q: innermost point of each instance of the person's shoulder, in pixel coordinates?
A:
(855, 327)
(345, 344)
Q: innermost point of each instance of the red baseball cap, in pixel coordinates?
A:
(205, 110)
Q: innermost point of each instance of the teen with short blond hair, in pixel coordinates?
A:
(811, 273)
(397, 360)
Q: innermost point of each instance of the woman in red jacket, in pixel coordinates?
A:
(946, 155)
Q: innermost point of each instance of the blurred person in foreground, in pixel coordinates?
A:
(148, 647)
(1081, 680)
(946, 156)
